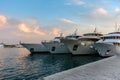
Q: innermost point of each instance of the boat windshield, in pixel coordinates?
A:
(88, 39)
(92, 34)
(117, 44)
(58, 37)
(111, 37)
(72, 36)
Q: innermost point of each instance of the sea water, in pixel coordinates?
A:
(19, 64)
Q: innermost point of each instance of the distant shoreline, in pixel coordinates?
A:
(12, 46)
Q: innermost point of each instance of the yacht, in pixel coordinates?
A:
(82, 45)
(109, 44)
(55, 46)
(35, 48)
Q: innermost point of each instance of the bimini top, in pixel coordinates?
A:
(73, 36)
(115, 33)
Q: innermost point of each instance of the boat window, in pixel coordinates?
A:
(107, 51)
(114, 37)
(105, 37)
(77, 36)
(117, 44)
(53, 49)
(57, 37)
(102, 37)
(117, 37)
(110, 37)
(75, 47)
(31, 49)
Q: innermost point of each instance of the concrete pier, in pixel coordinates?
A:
(106, 69)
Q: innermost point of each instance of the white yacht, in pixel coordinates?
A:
(82, 45)
(56, 46)
(109, 44)
(35, 48)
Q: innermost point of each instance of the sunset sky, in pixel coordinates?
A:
(35, 20)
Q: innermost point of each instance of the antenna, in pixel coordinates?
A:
(75, 32)
(118, 30)
(95, 30)
(115, 26)
(61, 34)
(118, 27)
(20, 42)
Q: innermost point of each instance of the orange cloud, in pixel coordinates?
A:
(37, 31)
(23, 27)
(3, 20)
(100, 11)
(27, 29)
(56, 31)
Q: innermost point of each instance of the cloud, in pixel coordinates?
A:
(30, 30)
(56, 31)
(75, 2)
(67, 21)
(117, 9)
(3, 20)
(27, 29)
(100, 11)
(117, 18)
(38, 31)
(23, 27)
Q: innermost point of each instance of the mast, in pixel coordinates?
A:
(118, 27)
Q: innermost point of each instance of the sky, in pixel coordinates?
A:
(32, 21)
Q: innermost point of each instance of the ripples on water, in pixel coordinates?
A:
(19, 64)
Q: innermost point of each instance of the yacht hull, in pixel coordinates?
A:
(56, 48)
(107, 49)
(79, 48)
(35, 48)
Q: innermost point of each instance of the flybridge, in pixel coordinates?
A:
(112, 35)
(115, 33)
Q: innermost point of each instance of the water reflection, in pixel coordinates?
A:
(19, 64)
